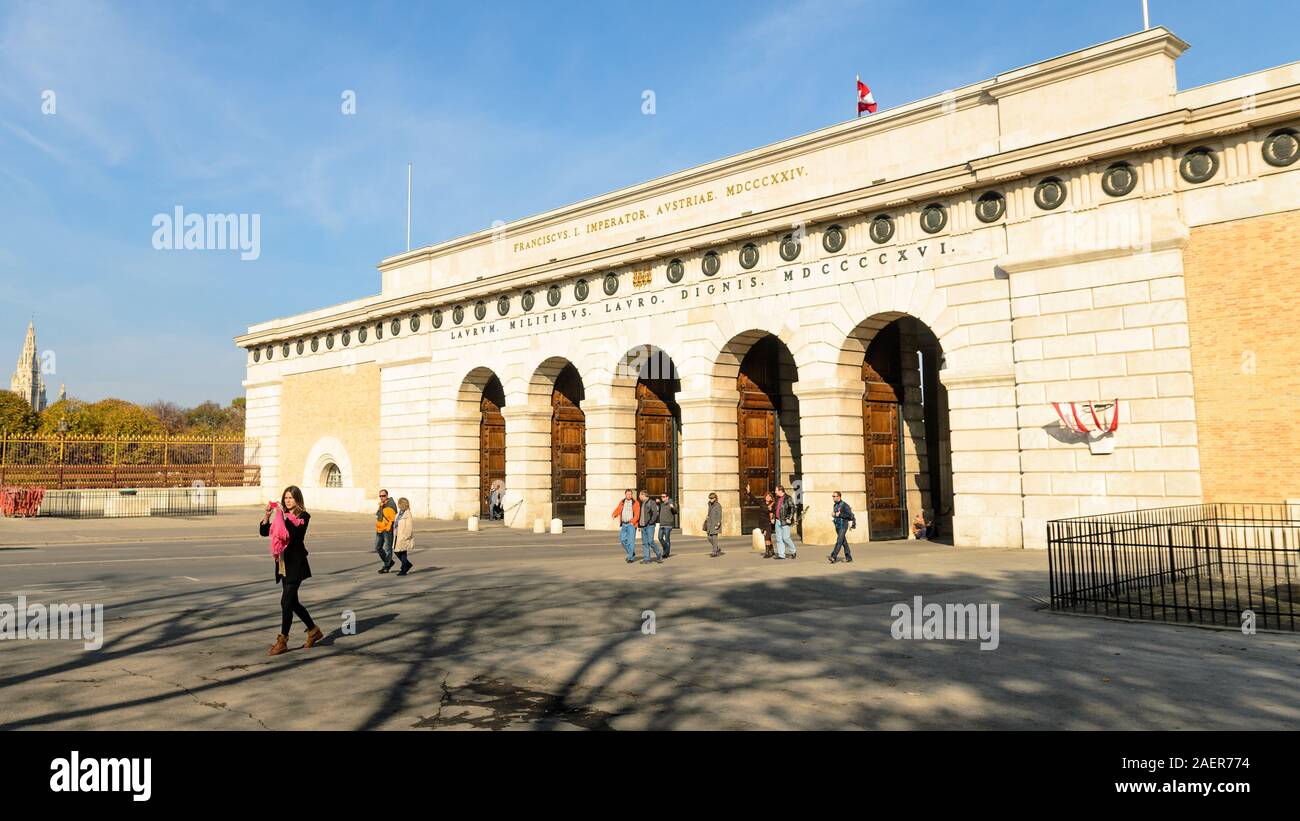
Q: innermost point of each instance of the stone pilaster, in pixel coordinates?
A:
(611, 458)
(454, 477)
(988, 500)
(528, 464)
(831, 435)
(710, 459)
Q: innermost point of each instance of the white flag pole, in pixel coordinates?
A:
(1146, 18)
(408, 206)
(857, 109)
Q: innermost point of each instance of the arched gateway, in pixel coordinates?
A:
(825, 301)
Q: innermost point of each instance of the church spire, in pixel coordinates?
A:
(27, 380)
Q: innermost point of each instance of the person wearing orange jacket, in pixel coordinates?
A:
(628, 513)
(384, 518)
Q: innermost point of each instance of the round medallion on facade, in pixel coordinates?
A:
(528, 300)
(379, 331)
(933, 218)
(553, 295)
(458, 314)
(581, 289)
(284, 350)
(1281, 148)
(748, 256)
(361, 334)
(882, 229)
(790, 248)
(480, 309)
(329, 341)
(1120, 179)
(299, 347)
(1049, 194)
(711, 263)
(833, 239)
(315, 344)
(415, 322)
(437, 319)
(990, 207)
(610, 284)
(270, 352)
(676, 270)
(503, 305)
(346, 336)
(257, 354)
(1199, 165)
(395, 327)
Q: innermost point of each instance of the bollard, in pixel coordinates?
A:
(473, 524)
(557, 527)
(539, 525)
(756, 540)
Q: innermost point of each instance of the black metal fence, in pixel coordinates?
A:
(109, 504)
(1229, 564)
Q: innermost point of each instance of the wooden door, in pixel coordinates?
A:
(882, 443)
(568, 449)
(656, 437)
(491, 445)
(757, 431)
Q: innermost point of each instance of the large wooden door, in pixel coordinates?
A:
(656, 437)
(568, 449)
(491, 442)
(757, 421)
(882, 443)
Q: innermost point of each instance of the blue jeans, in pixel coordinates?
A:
(841, 539)
(384, 547)
(666, 539)
(627, 535)
(648, 543)
(781, 538)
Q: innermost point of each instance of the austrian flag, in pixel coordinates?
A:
(866, 102)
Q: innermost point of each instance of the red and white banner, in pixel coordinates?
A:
(866, 102)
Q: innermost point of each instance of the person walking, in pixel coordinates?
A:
(287, 527)
(648, 520)
(769, 505)
(843, 518)
(404, 534)
(384, 517)
(627, 512)
(782, 520)
(667, 521)
(713, 525)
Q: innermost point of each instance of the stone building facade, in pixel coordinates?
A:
(886, 307)
(27, 380)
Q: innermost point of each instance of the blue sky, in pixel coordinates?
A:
(505, 110)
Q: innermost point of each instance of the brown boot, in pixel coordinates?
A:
(281, 645)
(314, 636)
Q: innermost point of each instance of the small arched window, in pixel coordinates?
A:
(332, 476)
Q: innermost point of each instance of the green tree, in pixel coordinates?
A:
(117, 417)
(206, 418)
(16, 416)
(68, 415)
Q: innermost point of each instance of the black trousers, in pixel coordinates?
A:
(289, 605)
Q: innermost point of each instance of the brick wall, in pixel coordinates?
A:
(1242, 279)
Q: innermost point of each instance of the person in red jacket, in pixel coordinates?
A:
(628, 513)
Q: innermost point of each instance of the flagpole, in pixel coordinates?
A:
(857, 109)
(1146, 18)
(408, 206)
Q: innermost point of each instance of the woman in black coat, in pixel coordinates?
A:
(292, 569)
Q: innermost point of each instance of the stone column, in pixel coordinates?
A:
(710, 459)
(528, 464)
(831, 433)
(611, 458)
(988, 499)
(454, 473)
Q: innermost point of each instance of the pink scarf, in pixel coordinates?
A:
(280, 533)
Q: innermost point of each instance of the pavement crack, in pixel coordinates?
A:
(215, 705)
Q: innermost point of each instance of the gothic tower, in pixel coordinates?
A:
(27, 381)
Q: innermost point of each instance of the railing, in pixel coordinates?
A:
(1228, 564)
(111, 504)
(73, 461)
